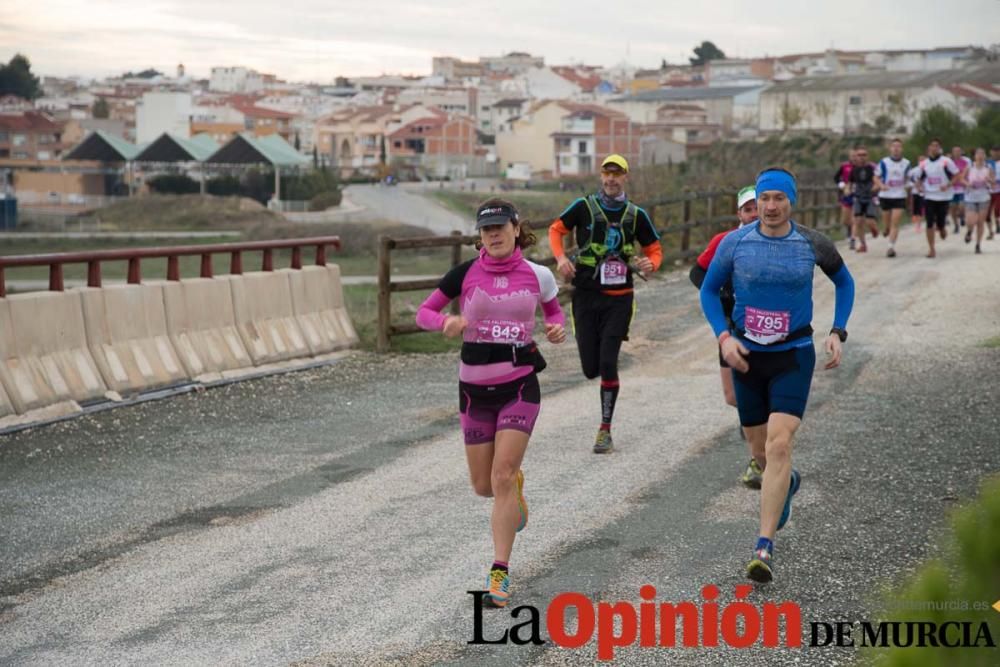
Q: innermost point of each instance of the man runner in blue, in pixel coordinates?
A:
(770, 348)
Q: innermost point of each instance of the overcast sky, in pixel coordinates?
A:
(314, 40)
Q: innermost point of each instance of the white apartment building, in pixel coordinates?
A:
(235, 80)
(157, 113)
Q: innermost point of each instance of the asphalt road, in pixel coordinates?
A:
(404, 204)
(325, 517)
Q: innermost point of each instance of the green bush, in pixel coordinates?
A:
(325, 200)
(968, 571)
(174, 184)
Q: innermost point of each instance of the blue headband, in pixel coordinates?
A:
(776, 180)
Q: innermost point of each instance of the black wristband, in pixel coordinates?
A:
(840, 333)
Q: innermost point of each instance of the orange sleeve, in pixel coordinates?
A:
(557, 230)
(654, 251)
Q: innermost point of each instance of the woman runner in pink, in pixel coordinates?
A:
(978, 181)
(499, 397)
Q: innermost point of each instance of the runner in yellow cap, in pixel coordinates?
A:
(606, 226)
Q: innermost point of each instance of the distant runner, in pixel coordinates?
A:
(499, 398)
(957, 208)
(936, 175)
(916, 194)
(769, 345)
(978, 180)
(862, 184)
(890, 178)
(746, 212)
(842, 178)
(994, 164)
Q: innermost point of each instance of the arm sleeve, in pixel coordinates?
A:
(429, 315)
(654, 251)
(719, 272)
(648, 239)
(548, 293)
(827, 257)
(843, 297)
(552, 312)
(882, 171)
(557, 230)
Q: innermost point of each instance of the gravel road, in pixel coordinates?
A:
(325, 517)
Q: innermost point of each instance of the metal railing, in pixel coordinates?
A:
(134, 257)
(674, 218)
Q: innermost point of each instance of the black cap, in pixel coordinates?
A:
(494, 214)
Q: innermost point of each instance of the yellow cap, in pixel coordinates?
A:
(615, 159)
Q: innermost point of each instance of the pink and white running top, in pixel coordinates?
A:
(962, 163)
(498, 298)
(979, 184)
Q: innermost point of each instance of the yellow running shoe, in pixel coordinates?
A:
(522, 503)
(499, 587)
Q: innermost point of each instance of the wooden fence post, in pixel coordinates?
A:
(456, 259)
(384, 295)
(686, 219)
(709, 214)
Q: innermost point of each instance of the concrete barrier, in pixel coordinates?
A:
(262, 306)
(43, 345)
(202, 326)
(127, 336)
(318, 303)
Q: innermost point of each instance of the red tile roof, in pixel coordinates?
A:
(28, 121)
(586, 80)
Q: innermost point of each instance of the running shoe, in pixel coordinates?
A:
(753, 475)
(978, 250)
(498, 584)
(522, 504)
(793, 488)
(850, 243)
(761, 566)
(603, 444)
(968, 236)
(862, 248)
(891, 252)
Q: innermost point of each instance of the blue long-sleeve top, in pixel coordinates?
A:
(772, 281)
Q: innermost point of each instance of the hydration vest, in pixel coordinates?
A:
(593, 253)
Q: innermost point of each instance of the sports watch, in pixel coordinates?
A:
(841, 333)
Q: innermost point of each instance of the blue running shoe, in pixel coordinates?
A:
(793, 488)
(761, 567)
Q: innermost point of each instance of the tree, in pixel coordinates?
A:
(707, 51)
(898, 108)
(824, 110)
(936, 122)
(986, 132)
(882, 123)
(147, 73)
(791, 115)
(101, 108)
(16, 79)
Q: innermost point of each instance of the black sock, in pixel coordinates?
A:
(609, 396)
(497, 565)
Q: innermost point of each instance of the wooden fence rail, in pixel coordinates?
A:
(673, 217)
